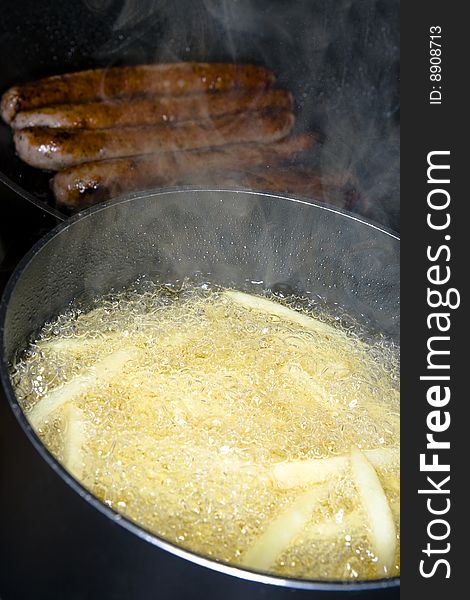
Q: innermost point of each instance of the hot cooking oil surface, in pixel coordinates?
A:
(189, 410)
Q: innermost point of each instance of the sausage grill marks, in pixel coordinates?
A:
(338, 191)
(89, 183)
(152, 111)
(172, 79)
(55, 149)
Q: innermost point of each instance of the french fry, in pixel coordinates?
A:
(330, 528)
(306, 472)
(102, 370)
(377, 508)
(275, 309)
(74, 439)
(283, 529)
(71, 345)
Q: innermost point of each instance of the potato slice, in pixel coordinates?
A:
(305, 472)
(377, 508)
(282, 530)
(101, 371)
(278, 310)
(73, 346)
(74, 439)
(330, 528)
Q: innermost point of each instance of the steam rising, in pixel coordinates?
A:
(340, 60)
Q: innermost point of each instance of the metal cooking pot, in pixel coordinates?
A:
(58, 541)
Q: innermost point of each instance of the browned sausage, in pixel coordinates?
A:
(151, 111)
(123, 82)
(61, 148)
(89, 183)
(338, 190)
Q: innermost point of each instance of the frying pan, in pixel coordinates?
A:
(339, 59)
(57, 539)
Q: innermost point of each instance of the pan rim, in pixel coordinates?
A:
(155, 540)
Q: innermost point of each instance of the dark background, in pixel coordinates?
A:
(427, 128)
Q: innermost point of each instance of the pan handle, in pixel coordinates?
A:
(23, 220)
(11, 189)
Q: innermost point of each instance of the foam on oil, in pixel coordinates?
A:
(183, 439)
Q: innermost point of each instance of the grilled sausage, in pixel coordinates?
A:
(124, 82)
(89, 183)
(337, 190)
(152, 111)
(60, 148)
